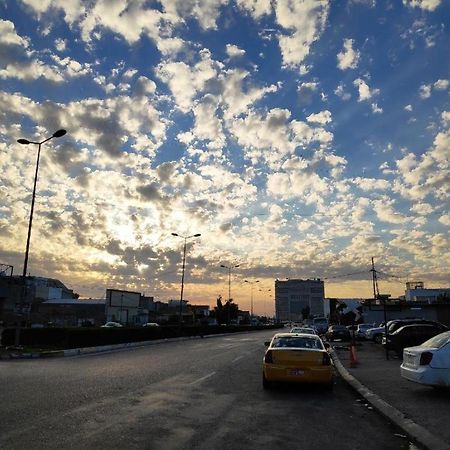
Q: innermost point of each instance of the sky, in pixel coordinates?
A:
(300, 138)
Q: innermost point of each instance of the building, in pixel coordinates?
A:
(128, 308)
(71, 312)
(21, 297)
(297, 299)
(416, 292)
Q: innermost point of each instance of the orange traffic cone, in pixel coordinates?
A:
(353, 358)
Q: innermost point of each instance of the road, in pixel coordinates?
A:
(195, 394)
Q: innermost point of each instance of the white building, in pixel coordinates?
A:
(296, 297)
(416, 292)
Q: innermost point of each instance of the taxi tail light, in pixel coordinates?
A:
(425, 358)
(326, 360)
(268, 358)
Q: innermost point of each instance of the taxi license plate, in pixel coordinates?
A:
(296, 372)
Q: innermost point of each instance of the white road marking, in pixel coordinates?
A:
(199, 380)
(237, 359)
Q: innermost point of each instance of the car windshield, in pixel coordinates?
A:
(302, 330)
(437, 341)
(297, 342)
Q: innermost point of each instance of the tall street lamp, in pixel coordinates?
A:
(251, 295)
(229, 287)
(56, 134)
(184, 266)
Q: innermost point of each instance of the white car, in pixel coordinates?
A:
(112, 325)
(428, 363)
(304, 330)
(151, 324)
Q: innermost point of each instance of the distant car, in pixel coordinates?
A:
(428, 363)
(338, 332)
(112, 325)
(151, 324)
(411, 335)
(375, 334)
(297, 358)
(305, 330)
(361, 330)
(320, 324)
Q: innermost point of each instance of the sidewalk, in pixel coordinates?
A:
(421, 411)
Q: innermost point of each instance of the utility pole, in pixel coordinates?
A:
(377, 296)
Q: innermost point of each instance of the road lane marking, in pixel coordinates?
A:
(237, 359)
(199, 380)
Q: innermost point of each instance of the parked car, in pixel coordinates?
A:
(151, 324)
(338, 332)
(375, 333)
(411, 335)
(112, 325)
(297, 358)
(428, 363)
(305, 330)
(394, 325)
(361, 330)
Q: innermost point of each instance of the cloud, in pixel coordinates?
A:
(428, 5)
(256, 8)
(322, 117)
(348, 58)
(408, 108)
(186, 81)
(441, 85)
(365, 93)
(340, 92)
(306, 92)
(305, 21)
(370, 184)
(425, 91)
(233, 51)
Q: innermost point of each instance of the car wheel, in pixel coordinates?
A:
(378, 338)
(266, 383)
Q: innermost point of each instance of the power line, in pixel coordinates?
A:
(347, 275)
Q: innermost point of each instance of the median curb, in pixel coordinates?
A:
(105, 348)
(416, 432)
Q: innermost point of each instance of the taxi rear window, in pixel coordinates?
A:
(297, 342)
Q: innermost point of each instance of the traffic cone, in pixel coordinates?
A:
(353, 358)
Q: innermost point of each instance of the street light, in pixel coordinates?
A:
(56, 134)
(251, 295)
(229, 287)
(184, 266)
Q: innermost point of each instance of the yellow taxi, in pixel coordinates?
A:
(298, 358)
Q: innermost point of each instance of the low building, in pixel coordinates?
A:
(20, 297)
(416, 292)
(71, 312)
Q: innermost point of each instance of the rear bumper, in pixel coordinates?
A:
(426, 375)
(323, 374)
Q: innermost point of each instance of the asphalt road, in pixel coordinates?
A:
(196, 394)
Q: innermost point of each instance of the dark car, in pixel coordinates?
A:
(412, 335)
(394, 325)
(338, 332)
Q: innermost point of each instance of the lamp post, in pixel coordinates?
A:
(229, 287)
(251, 296)
(268, 290)
(184, 266)
(56, 134)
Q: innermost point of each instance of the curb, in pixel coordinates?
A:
(416, 432)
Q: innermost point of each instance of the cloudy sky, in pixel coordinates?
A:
(299, 137)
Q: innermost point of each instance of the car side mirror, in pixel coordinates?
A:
(327, 345)
(267, 343)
